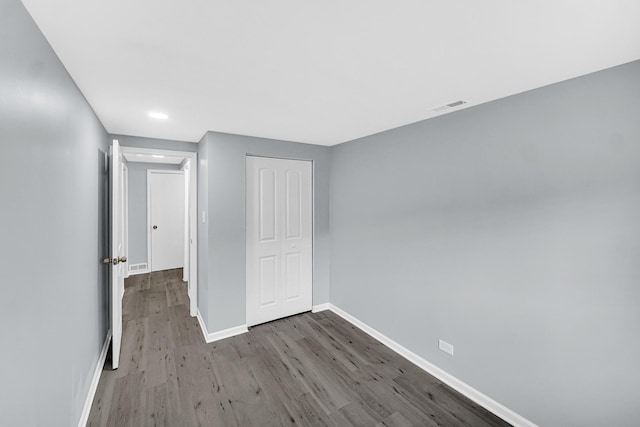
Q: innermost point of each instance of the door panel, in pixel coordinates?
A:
(279, 238)
(166, 215)
(268, 280)
(268, 213)
(294, 207)
(292, 269)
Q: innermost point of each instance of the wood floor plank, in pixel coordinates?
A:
(154, 303)
(133, 354)
(394, 420)
(307, 412)
(357, 389)
(175, 293)
(302, 409)
(339, 348)
(330, 396)
(453, 406)
(313, 369)
(357, 415)
(101, 407)
(185, 328)
(255, 398)
(156, 408)
(132, 304)
(127, 406)
(196, 391)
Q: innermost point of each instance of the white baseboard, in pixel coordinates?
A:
(321, 307)
(84, 417)
(481, 399)
(202, 325)
(210, 337)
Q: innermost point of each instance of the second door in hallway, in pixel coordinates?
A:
(166, 219)
(279, 238)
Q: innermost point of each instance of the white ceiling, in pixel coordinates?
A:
(321, 72)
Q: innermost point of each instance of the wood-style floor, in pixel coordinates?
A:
(309, 370)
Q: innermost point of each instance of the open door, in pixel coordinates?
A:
(117, 260)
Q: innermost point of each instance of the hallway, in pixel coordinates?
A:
(310, 369)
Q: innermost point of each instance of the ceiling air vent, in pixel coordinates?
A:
(452, 105)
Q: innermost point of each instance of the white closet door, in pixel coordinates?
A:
(166, 219)
(279, 238)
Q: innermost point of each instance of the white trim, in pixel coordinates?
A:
(481, 399)
(321, 307)
(210, 337)
(84, 417)
(125, 215)
(205, 333)
(157, 151)
(186, 236)
(135, 273)
(165, 171)
(193, 236)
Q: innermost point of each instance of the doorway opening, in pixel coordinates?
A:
(124, 259)
(162, 214)
(165, 227)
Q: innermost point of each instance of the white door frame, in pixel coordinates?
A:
(185, 166)
(125, 219)
(313, 220)
(192, 217)
(149, 234)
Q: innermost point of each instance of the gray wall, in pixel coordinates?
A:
(512, 231)
(225, 155)
(53, 297)
(138, 208)
(161, 144)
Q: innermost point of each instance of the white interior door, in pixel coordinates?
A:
(117, 258)
(166, 218)
(279, 238)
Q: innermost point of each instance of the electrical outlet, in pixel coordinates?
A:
(445, 346)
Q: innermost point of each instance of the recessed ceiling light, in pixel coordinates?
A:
(157, 156)
(158, 115)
